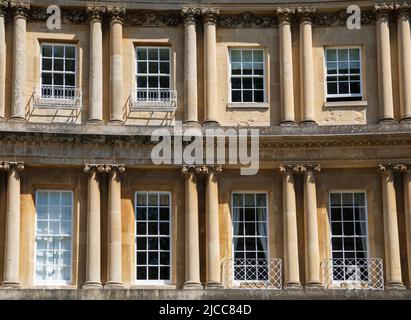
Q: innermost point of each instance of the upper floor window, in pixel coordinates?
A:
(58, 71)
(343, 76)
(153, 237)
(247, 75)
(54, 214)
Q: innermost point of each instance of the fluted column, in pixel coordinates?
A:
(391, 238)
(116, 15)
(93, 259)
(291, 264)
(192, 258)
(407, 199)
(190, 65)
(384, 63)
(307, 64)
(114, 278)
(96, 64)
(404, 60)
(312, 247)
(210, 57)
(213, 234)
(286, 66)
(20, 11)
(12, 238)
(3, 6)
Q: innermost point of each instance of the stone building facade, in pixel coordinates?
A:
(84, 208)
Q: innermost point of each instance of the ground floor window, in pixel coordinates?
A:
(153, 236)
(349, 236)
(53, 247)
(250, 236)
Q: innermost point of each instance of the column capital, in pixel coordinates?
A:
(9, 166)
(209, 14)
(305, 14)
(304, 168)
(402, 9)
(284, 15)
(104, 168)
(3, 7)
(194, 170)
(190, 14)
(215, 169)
(20, 8)
(386, 167)
(95, 12)
(382, 11)
(284, 168)
(116, 13)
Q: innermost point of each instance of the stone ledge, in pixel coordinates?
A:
(218, 294)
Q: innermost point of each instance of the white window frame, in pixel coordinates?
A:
(350, 191)
(338, 95)
(263, 76)
(237, 283)
(54, 282)
(52, 72)
(153, 282)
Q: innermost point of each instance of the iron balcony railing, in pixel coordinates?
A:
(364, 273)
(251, 273)
(153, 100)
(57, 97)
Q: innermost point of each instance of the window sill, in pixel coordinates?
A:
(153, 286)
(344, 104)
(248, 106)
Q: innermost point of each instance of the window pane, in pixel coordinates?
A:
(47, 64)
(247, 68)
(331, 55)
(247, 83)
(258, 68)
(165, 54)
(142, 67)
(47, 51)
(258, 56)
(141, 82)
(70, 80)
(354, 54)
(342, 55)
(58, 51)
(236, 68)
(236, 83)
(141, 53)
(165, 82)
(247, 96)
(152, 54)
(70, 52)
(165, 67)
(258, 96)
(235, 55)
(236, 96)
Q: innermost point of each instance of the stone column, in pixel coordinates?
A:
(116, 63)
(407, 199)
(391, 239)
(312, 247)
(404, 59)
(12, 237)
(286, 66)
(384, 63)
(3, 7)
(190, 65)
(210, 71)
(291, 263)
(307, 64)
(192, 258)
(93, 262)
(213, 231)
(114, 227)
(96, 64)
(20, 11)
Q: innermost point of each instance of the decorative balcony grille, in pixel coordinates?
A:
(353, 273)
(153, 100)
(251, 273)
(50, 97)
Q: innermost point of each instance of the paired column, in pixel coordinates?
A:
(190, 65)
(286, 66)
(114, 226)
(96, 64)
(192, 258)
(307, 64)
(116, 63)
(93, 262)
(407, 199)
(12, 238)
(213, 232)
(404, 59)
(391, 238)
(3, 6)
(210, 58)
(291, 262)
(384, 63)
(20, 11)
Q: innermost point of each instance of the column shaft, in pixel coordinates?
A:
(391, 238)
(116, 64)
(407, 194)
(12, 238)
(291, 264)
(192, 237)
(93, 264)
(312, 249)
(96, 72)
(190, 72)
(2, 65)
(404, 53)
(210, 57)
(213, 234)
(114, 230)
